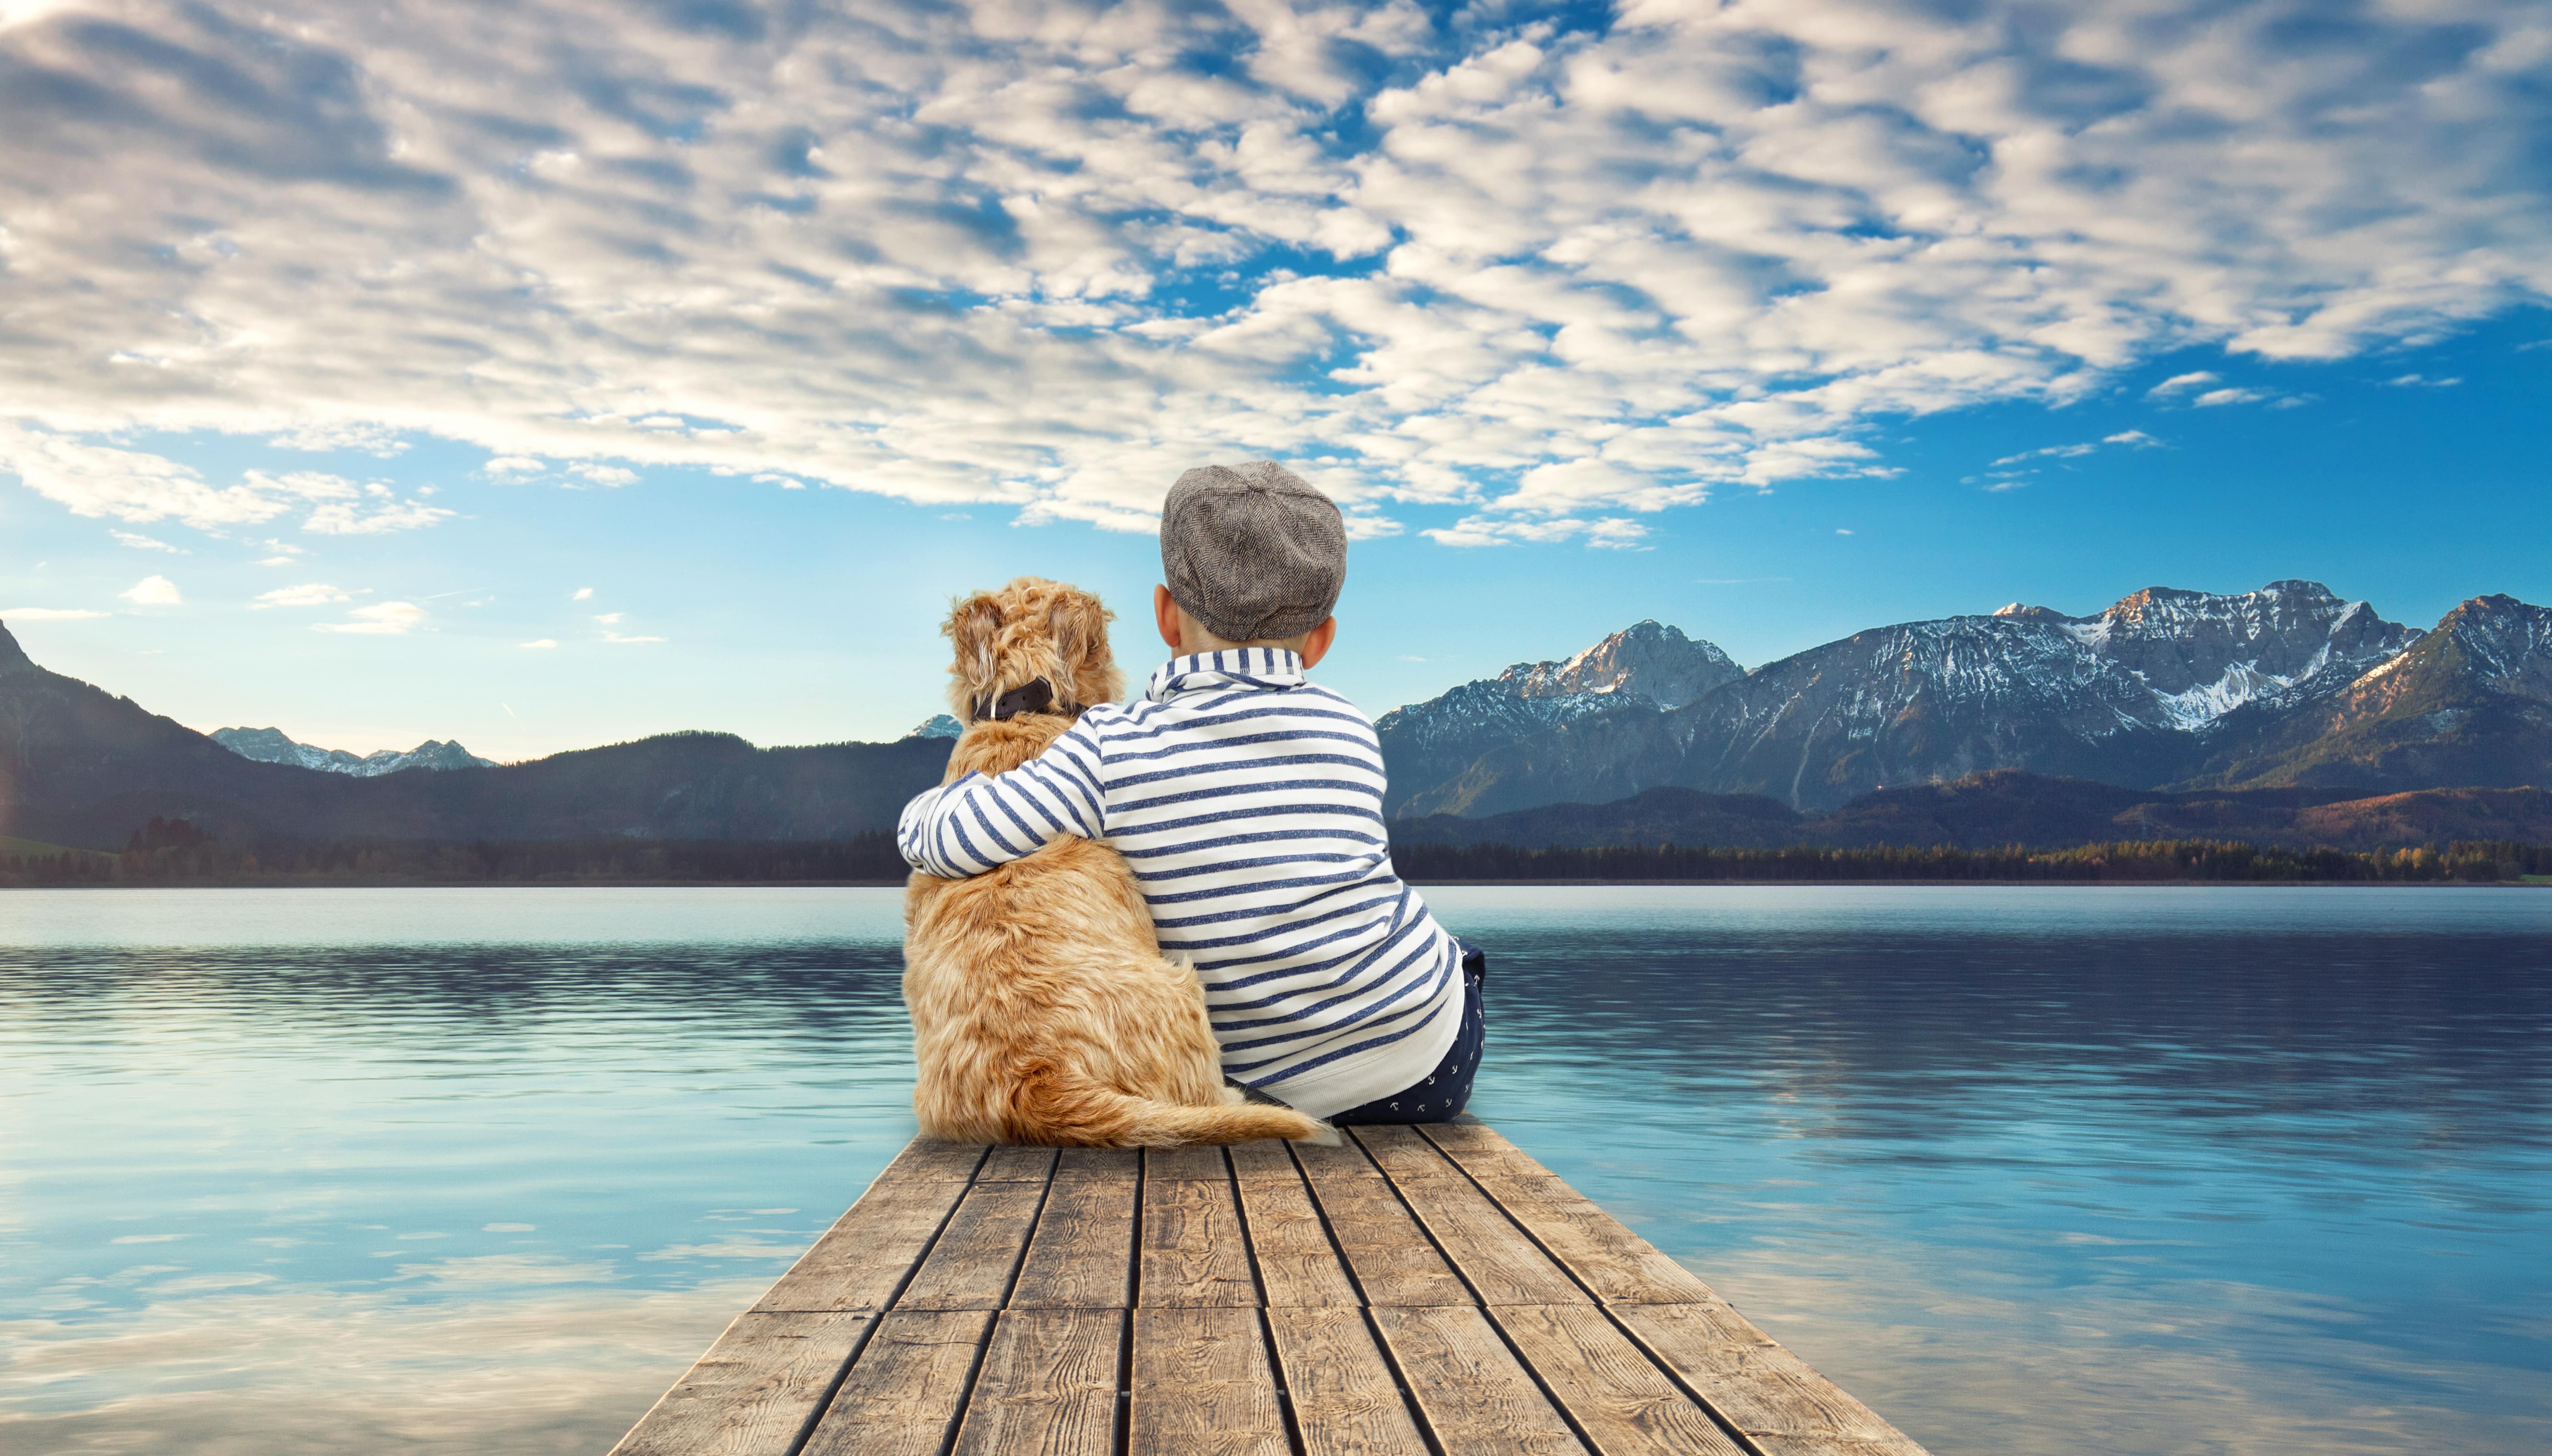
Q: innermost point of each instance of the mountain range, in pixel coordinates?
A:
(275, 745)
(2286, 714)
(2286, 685)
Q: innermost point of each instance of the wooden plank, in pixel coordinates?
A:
(1048, 1384)
(1264, 1159)
(1346, 1160)
(858, 1263)
(754, 1391)
(1165, 1164)
(1125, 1163)
(1403, 1153)
(1346, 1402)
(1202, 1383)
(903, 1394)
(970, 1267)
(1298, 1266)
(1618, 1265)
(1016, 1164)
(1192, 1253)
(1502, 1265)
(1393, 1262)
(1623, 1403)
(1476, 1398)
(1482, 1150)
(1763, 1389)
(1083, 1254)
(930, 1160)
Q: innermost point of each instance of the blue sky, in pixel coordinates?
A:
(554, 373)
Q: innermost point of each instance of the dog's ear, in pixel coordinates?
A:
(973, 628)
(1087, 673)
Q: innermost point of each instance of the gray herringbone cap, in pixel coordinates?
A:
(1252, 551)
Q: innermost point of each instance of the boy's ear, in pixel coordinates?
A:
(973, 628)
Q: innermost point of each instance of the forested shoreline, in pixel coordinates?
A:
(173, 853)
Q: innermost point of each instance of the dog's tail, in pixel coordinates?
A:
(1082, 1114)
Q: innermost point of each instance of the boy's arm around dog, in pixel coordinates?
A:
(978, 823)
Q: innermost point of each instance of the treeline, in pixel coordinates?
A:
(2131, 862)
(174, 853)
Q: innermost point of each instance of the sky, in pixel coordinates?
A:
(555, 372)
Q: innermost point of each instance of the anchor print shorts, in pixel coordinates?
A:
(1439, 1095)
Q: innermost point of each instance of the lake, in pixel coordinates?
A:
(2028, 1170)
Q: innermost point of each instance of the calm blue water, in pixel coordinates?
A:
(2036, 1170)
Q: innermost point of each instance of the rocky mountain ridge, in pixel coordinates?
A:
(275, 745)
(2165, 687)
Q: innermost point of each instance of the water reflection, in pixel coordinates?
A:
(2154, 1170)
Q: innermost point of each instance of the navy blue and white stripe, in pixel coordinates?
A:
(1248, 802)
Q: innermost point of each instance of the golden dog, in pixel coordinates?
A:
(1042, 1009)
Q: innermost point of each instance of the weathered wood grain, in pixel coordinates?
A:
(865, 1255)
(1404, 1153)
(1476, 1398)
(1394, 1264)
(753, 1392)
(1266, 1158)
(1047, 1385)
(1016, 1164)
(970, 1267)
(1083, 1254)
(1617, 1264)
(1297, 1267)
(905, 1392)
(1482, 1150)
(1502, 1265)
(930, 1160)
(1346, 1160)
(1622, 1402)
(1763, 1389)
(1162, 1165)
(1191, 1254)
(1125, 1163)
(1202, 1386)
(1346, 1401)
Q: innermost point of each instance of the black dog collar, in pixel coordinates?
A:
(1035, 695)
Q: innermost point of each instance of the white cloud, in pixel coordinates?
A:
(382, 619)
(316, 593)
(2004, 475)
(610, 618)
(2423, 382)
(628, 640)
(140, 542)
(355, 520)
(543, 644)
(1617, 532)
(2214, 397)
(955, 257)
(582, 593)
(50, 614)
(369, 439)
(2181, 384)
(152, 592)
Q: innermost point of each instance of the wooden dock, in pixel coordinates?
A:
(1416, 1290)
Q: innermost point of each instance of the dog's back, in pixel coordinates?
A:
(1042, 1009)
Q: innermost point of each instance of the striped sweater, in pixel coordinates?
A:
(1249, 803)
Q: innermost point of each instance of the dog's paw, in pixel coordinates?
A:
(1327, 1137)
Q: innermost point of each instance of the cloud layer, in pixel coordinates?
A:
(1560, 271)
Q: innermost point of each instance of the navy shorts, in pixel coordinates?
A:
(1440, 1094)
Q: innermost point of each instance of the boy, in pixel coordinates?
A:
(1249, 803)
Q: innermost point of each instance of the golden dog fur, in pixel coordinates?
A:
(1042, 1009)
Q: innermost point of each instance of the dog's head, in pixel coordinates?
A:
(1030, 630)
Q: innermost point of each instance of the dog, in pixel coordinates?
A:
(1042, 1009)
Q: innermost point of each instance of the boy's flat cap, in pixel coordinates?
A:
(1252, 551)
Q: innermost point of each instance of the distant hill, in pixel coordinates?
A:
(80, 767)
(2286, 685)
(2009, 807)
(275, 745)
